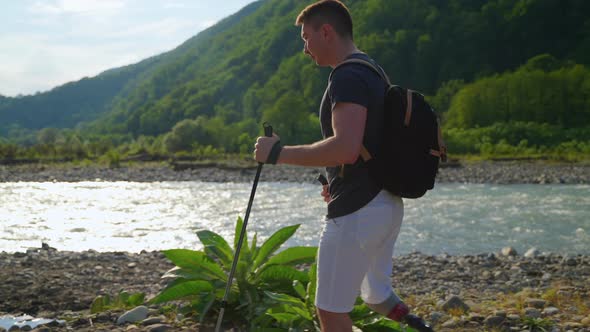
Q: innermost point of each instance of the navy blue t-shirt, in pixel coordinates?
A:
(358, 84)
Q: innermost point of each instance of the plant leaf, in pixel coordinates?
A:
(244, 250)
(217, 246)
(293, 256)
(284, 318)
(189, 274)
(122, 299)
(97, 305)
(253, 248)
(267, 329)
(176, 292)
(285, 299)
(301, 312)
(136, 299)
(237, 231)
(273, 243)
(282, 273)
(204, 304)
(362, 313)
(311, 285)
(191, 260)
(299, 289)
(383, 325)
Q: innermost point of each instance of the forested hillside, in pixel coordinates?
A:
(67, 105)
(482, 63)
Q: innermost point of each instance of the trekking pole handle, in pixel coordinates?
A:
(267, 129)
(322, 179)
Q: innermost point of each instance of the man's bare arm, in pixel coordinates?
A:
(348, 122)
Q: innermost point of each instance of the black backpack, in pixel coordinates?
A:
(411, 146)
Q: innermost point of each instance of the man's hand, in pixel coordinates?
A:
(263, 146)
(326, 193)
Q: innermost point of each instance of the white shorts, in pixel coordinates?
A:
(355, 255)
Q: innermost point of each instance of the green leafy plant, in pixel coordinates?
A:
(200, 276)
(537, 324)
(123, 300)
(292, 312)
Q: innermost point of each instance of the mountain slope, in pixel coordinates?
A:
(85, 100)
(250, 65)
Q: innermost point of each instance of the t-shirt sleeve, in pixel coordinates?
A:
(349, 86)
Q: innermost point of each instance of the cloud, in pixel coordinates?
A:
(26, 69)
(76, 6)
(175, 5)
(207, 23)
(57, 41)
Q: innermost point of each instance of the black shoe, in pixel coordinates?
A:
(417, 323)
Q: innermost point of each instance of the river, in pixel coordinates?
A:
(133, 216)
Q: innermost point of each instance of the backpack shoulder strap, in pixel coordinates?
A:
(379, 71)
(365, 154)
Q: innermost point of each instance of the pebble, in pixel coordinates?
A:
(532, 313)
(451, 323)
(134, 315)
(159, 328)
(536, 303)
(509, 251)
(153, 320)
(550, 311)
(493, 321)
(513, 317)
(455, 302)
(532, 253)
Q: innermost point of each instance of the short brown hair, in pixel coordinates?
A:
(332, 12)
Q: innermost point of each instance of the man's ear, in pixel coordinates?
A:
(327, 31)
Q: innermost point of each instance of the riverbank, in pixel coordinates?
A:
(497, 172)
(502, 291)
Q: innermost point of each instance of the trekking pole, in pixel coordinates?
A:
(267, 133)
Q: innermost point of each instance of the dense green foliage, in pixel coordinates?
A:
(483, 62)
(521, 139)
(200, 276)
(560, 97)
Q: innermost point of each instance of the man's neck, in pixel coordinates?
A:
(344, 52)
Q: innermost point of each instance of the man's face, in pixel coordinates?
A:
(313, 43)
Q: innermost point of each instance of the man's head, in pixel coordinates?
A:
(323, 24)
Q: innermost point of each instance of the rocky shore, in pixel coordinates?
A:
(503, 291)
(506, 172)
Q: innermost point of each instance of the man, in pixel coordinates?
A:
(363, 221)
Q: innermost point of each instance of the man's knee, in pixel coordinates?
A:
(328, 315)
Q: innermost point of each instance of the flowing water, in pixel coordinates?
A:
(129, 216)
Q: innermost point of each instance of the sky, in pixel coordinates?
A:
(46, 43)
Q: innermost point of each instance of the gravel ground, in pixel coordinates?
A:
(479, 172)
(488, 292)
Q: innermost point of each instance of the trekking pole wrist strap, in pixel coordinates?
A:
(274, 153)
